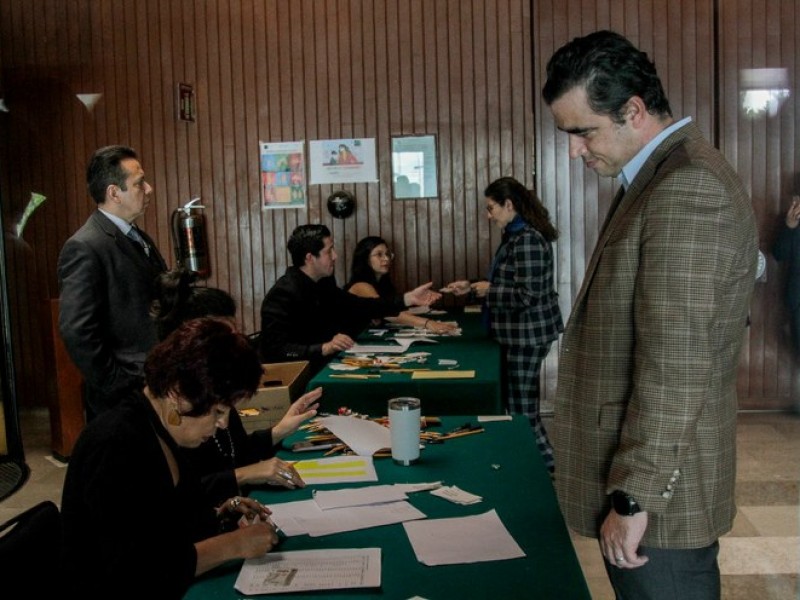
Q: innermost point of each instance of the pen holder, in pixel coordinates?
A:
(404, 415)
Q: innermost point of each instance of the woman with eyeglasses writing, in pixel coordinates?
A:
(520, 300)
(370, 278)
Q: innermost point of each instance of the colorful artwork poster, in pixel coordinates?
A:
(342, 161)
(283, 175)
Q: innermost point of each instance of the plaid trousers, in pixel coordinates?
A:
(523, 366)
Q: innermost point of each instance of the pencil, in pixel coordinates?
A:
(335, 449)
(354, 376)
(450, 436)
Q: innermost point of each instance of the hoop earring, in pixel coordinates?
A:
(174, 417)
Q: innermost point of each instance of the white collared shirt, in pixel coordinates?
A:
(631, 170)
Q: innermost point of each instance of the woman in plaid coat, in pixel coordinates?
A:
(520, 300)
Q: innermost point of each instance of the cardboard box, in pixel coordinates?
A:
(282, 384)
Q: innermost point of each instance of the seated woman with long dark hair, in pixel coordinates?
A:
(370, 278)
(135, 522)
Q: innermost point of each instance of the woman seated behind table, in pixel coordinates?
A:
(231, 460)
(370, 278)
(135, 522)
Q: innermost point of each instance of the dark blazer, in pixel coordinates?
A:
(787, 248)
(107, 285)
(646, 399)
(299, 315)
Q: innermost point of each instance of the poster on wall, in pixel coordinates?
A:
(342, 161)
(283, 175)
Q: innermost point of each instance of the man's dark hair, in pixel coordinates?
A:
(105, 169)
(611, 69)
(305, 239)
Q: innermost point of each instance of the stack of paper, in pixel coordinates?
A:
(345, 510)
(456, 495)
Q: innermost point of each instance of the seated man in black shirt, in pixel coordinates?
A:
(306, 316)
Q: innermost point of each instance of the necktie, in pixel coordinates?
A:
(134, 234)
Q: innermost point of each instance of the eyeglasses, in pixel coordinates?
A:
(382, 255)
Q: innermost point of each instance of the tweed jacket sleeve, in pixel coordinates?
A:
(522, 297)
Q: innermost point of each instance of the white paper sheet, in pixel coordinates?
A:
(364, 437)
(337, 469)
(401, 346)
(462, 540)
(373, 494)
(306, 517)
(305, 570)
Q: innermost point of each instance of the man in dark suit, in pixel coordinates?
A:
(106, 273)
(645, 413)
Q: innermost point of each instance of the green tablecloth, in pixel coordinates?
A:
(474, 350)
(503, 466)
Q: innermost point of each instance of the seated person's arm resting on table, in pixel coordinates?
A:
(275, 471)
(366, 290)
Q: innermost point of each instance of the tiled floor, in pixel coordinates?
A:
(759, 559)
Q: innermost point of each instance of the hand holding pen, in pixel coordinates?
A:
(248, 508)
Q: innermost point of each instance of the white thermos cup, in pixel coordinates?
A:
(404, 417)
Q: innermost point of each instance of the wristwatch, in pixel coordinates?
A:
(624, 504)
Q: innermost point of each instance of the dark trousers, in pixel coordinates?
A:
(670, 575)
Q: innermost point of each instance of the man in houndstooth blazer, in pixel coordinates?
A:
(645, 415)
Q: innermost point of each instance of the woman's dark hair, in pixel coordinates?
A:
(205, 362)
(361, 271)
(178, 300)
(525, 202)
(611, 69)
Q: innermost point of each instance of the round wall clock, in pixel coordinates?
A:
(341, 204)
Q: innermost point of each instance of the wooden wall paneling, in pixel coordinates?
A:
(789, 372)
(264, 52)
(251, 244)
(263, 72)
(763, 150)
(698, 77)
(455, 101)
(679, 38)
(245, 145)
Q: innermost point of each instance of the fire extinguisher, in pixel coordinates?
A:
(189, 238)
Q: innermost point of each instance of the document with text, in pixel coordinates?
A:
(307, 570)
